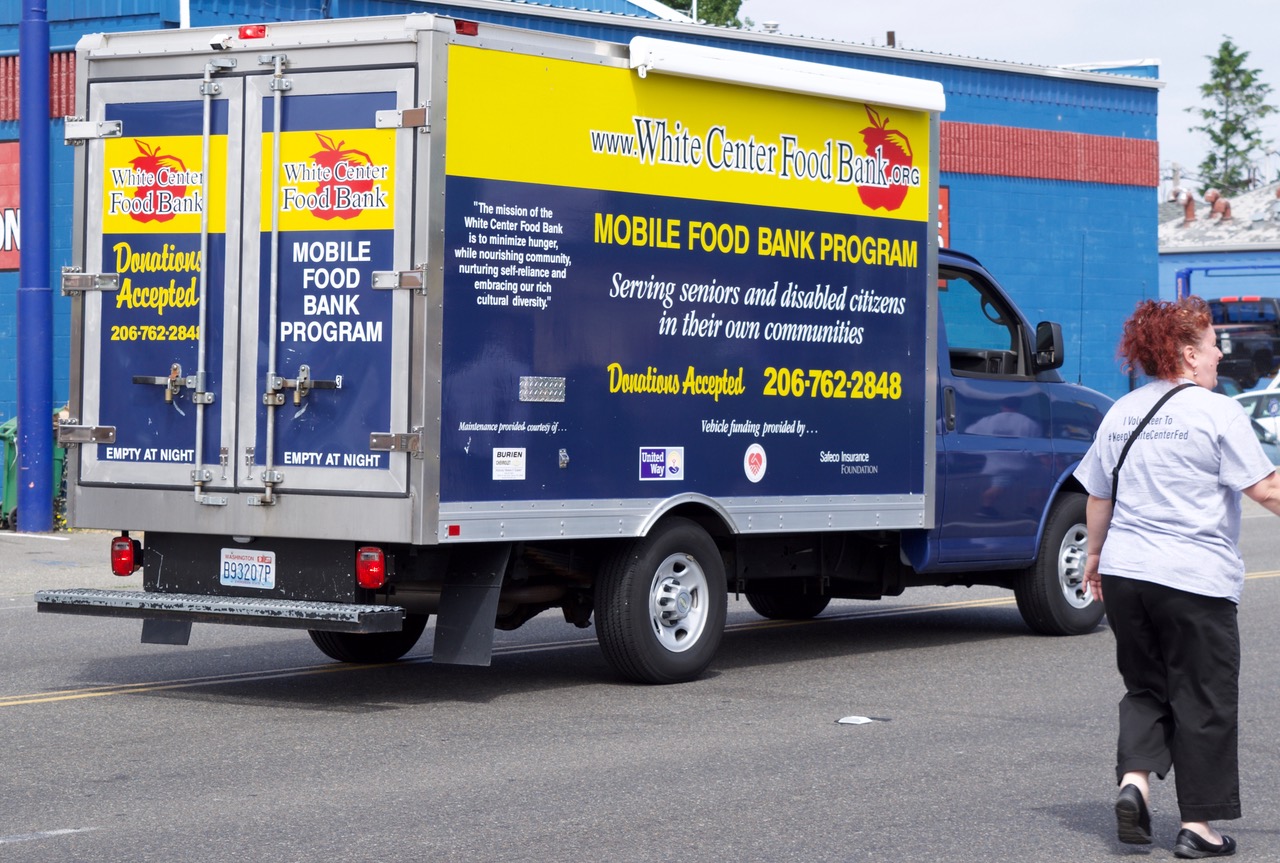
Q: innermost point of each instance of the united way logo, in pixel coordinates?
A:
(661, 462)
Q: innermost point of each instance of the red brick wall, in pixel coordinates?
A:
(62, 85)
(1005, 151)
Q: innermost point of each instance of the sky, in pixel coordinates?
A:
(1177, 33)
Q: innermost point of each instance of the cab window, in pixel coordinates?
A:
(982, 332)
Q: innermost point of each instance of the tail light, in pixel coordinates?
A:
(126, 555)
(371, 567)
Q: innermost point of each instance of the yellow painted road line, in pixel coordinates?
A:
(329, 668)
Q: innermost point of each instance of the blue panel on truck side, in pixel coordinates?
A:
(648, 368)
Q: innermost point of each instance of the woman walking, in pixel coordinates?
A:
(1164, 478)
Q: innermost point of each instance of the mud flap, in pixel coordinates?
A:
(166, 631)
(469, 606)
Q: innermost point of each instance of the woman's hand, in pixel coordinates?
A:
(1098, 517)
(1092, 578)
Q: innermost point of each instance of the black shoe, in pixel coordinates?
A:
(1190, 845)
(1133, 821)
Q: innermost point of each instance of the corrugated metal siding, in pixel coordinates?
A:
(62, 86)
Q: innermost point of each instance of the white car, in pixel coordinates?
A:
(1263, 406)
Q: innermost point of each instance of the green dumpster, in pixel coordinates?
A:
(9, 441)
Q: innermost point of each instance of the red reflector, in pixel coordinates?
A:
(466, 28)
(126, 556)
(253, 31)
(371, 567)
(455, 530)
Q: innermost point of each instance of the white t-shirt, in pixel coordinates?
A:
(1176, 519)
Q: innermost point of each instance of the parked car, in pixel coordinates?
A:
(1270, 442)
(1228, 386)
(1248, 330)
(1263, 406)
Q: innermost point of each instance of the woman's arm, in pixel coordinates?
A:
(1266, 492)
(1097, 513)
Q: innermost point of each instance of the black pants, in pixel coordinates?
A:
(1179, 655)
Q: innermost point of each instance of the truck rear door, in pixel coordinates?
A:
(245, 349)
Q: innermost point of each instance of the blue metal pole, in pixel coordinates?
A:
(35, 295)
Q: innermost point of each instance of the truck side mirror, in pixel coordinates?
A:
(1048, 346)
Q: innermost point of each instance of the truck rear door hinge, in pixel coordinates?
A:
(408, 280)
(76, 282)
(410, 442)
(71, 432)
(404, 118)
(76, 131)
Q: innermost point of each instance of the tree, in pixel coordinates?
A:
(723, 12)
(1238, 100)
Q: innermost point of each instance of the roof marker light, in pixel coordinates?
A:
(371, 567)
(466, 28)
(253, 31)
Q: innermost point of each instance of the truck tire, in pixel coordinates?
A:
(372, 646)
(660, 604)
(787, 606)
(1050, 592)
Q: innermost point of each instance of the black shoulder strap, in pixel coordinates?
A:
(1115, 474)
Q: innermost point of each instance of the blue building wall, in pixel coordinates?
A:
(1045, 243)
(1080, 253)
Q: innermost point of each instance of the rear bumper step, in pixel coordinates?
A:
(240, 610)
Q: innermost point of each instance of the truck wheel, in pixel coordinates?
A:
(787, 606)
(660, 604)
(1050, 592)
(371, 646)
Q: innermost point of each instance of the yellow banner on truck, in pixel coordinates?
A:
(682, 136)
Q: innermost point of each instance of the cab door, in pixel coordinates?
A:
(996, 456)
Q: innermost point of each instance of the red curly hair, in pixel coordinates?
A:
(1156, 332)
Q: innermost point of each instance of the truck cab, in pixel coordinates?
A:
(1010, 432)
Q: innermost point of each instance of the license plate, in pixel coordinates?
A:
(245, 568)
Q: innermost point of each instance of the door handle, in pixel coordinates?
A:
(949, 408)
